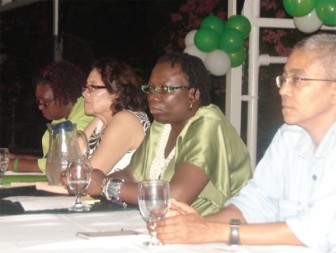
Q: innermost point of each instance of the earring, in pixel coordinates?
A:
(190, 106)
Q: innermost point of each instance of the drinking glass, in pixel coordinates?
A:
(154, 202)
(4, 158)
(78, 176)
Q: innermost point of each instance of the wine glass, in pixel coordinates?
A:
(78, 176)
(154, 202)
(4, 158)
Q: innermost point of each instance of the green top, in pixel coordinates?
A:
(208, 141)
(76, 116)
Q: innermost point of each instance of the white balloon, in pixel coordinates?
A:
(193, 50)
(218, 62)
(189, 38)
(309, 23)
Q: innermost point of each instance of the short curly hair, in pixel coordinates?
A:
(195, 72)
(65, 79)
(119, 78)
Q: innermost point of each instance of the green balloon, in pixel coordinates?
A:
(240, 23)
(237, 58)
(299, 8)
(206, 39)
(231, 40)
(326, 11)
(214, 23)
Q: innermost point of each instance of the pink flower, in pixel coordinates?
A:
(269, 4)
(175, 17)
(282, 50)
(169, 48)
(181, 42)
(280, 14)
(221, 14)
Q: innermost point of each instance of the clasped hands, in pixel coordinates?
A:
(181, 225)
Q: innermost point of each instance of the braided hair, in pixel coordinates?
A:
(65, 79)
(195, 73)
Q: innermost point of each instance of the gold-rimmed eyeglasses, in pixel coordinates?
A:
(44, 104)
(161, 89)
(92, 88)
(296, 81)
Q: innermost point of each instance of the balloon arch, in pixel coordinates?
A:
(221, 47)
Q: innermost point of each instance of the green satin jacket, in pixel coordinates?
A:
(210, 142)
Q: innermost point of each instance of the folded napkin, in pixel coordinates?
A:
(37, 203)
(34, 203)
(22, 184)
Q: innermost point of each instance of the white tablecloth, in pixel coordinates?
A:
(39, 233)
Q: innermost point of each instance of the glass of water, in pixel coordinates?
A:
(154, 202)
(4, 158)
(78, 176)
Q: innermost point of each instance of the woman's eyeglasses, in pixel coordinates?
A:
(92, 88)
(44, 105)
(161, 89)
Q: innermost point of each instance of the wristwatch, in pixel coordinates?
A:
(234, 232)
(111, 190)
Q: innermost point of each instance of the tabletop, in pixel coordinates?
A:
(8, 207)
(59, 230)
(59, 233)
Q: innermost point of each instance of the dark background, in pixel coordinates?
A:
(136, 31)
(133, 31)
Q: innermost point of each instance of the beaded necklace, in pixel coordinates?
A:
(159, 164)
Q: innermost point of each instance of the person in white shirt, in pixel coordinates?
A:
(291, 199)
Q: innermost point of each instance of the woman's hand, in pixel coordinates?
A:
(95, 187)
(64, 182)
(13, 156)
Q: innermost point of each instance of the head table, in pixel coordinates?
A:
(62, 231)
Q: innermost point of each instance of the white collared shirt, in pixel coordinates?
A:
(292, 183)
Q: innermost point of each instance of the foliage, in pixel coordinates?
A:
(191, 13)
(189, 17)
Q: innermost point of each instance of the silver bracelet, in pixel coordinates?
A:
(234, 232)
(111, 190)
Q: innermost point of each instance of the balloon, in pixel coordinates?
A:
(218, 62)
(206, 39)
(309, 23)
(326, 11)
(214, 23)
(299, 8)
(189, 38)
(231, 40)
(240, 23)
(237, 58)
(193, 50)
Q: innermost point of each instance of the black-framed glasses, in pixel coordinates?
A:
(92, 88)
(296, 81)
(161, 89)
(44, 104)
